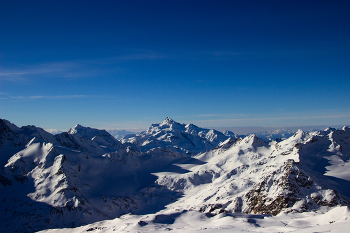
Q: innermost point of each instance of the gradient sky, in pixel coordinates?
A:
(127, 64)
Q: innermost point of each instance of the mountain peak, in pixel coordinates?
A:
(87, 132)
(9, 125)
(75, 129)
(78, 126)
(346, 129)
(252, 139)
(168, 120)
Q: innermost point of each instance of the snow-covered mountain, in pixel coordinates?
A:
(247, 175)
(279, 134)
(187, 139)
(54, 131)
(85, 175)
(14, 139)
(119, 134)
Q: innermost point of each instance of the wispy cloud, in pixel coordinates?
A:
(185, 54)
(214, 115)
(73, 69)
(206, 115)
(68, 69)
(223, 53)
(24, 98)
(275, 121)
(142, 56)
(98, 67)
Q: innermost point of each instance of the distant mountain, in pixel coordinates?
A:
(230, 134)
(54, 131)
(101, 137)
(187, 139)
(279, 134)
(85, 175)
(274, 135)
(119, 134)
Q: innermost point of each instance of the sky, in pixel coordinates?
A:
(128, 64)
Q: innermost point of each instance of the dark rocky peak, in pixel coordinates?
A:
(11, 131)
(168, 121)
(5, 125)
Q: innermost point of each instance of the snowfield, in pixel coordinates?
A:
(173, 177)
(335, 220)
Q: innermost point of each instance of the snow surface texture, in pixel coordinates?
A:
(172, 177)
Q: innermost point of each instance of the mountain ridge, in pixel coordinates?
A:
(183, 138)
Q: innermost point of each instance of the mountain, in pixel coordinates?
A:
(77, 177)
(279, 134)
(100, 137)
(85, 175)
(54, 131)
(119, 134)
(248, 175)
(55, 186)
(187, 139)
(14, 139)
(230, 134)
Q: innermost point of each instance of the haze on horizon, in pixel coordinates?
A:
(126, 65)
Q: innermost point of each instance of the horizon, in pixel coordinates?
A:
(210, 63)
(236, 130)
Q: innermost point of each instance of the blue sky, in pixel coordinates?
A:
(127, 64)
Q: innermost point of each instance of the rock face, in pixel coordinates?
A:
(85, 175)
(292, 185)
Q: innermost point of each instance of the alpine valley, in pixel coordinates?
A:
(173, 177)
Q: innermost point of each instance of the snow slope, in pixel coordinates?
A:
(336, 220)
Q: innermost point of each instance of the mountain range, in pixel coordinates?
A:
(86, 175)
